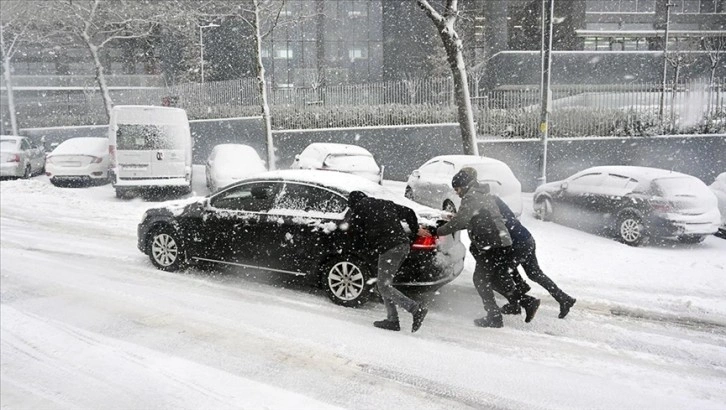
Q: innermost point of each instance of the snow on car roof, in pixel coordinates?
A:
(81, 146)
(333, 148)
(639, 173)
(462, 160)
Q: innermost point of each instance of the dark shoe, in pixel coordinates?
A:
(388, 325)
(490, 321)
(565, 306)
(530, 308)
(418, 318)
(511, 309)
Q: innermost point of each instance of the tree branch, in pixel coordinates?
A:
(434, 15)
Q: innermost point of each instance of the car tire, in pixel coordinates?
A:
(449, 207)
(122, 193)
(346, 281)
(691, 238)
(630, 229)
(544, 210)
(408, 193)
(165, 249)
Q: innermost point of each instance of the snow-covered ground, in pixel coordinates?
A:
(87, 322)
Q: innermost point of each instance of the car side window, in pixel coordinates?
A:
(430, 169)
(587, 180)
(447, 168)
(255, 197)
(24, 145)
(308, 198)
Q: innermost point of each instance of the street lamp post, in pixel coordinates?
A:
(661, 106)
(548, 7)
(201, 46)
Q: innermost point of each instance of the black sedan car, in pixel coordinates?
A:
(292, 222)
(635, 203)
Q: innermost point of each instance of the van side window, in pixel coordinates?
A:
(145, 137)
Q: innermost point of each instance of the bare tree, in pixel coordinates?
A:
(15, 18)
(261, 16)
(445, 22)
(715, 47)
(100, 22)
(678, 59)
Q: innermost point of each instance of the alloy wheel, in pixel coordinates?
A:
(346, 281)
(164, 249)
(630, 230)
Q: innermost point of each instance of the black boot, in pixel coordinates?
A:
(566, 302)
(418, 317)
(388, 325)
(490, 320)
(530, 306)
(511, 309)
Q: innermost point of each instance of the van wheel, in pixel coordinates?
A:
(28, 172)
(631, 230)
(165, 249)
(346, 281)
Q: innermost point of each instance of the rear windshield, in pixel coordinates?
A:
(680, 186)
(351, 162)
(149, 137)
(8, 145)
(492, 171)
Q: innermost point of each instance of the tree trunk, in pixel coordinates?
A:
(9, 86)
(262, 86)
(673, 97)
(100, 76)
(464, 111)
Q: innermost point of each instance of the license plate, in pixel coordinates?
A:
(70, 164)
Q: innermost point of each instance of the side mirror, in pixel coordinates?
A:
(563, 185)
(416, 173)
(297, 157)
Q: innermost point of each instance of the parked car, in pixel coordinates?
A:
(635, 203)
(81, 160)
(431, 183)
(292, 222)
(228, 163)
(20, 157)
(719, 189)
(339, 157)
(151, 149)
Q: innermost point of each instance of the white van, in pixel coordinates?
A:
(150, 148)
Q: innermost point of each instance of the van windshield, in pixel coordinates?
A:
(149, 137)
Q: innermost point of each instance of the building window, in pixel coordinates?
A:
(264, 53)
(621, 6)
(357, 54)
(283, 53)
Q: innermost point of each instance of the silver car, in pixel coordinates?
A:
(431, 183)
(19, 157)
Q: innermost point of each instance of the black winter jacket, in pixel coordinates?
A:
(517, 231)
(375, 225)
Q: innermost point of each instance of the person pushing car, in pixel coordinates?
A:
(376, 229)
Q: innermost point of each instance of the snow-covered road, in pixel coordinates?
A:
(87, 322)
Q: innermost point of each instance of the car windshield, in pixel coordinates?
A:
(680, 186)
(8, 145)
(345, 162)
(149, 137)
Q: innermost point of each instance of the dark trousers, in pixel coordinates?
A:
(525, 255)
(494, 270)
(388, 264)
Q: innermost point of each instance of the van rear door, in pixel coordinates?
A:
(150, 151)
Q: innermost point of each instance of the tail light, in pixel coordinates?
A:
(425, 243)
(96, 160)
(661, 206)
(112, 155)
(14, 158)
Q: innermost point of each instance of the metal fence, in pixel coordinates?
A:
(576, 110)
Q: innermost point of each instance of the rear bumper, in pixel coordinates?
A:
(150, 182)
(427, 270)
(674, 226)
(11, 169)
(92, 171)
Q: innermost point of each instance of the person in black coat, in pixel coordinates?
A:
(376, 229)
(524, 247)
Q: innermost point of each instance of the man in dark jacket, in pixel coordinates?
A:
(524, 246)
(376, 228)
(491, 246)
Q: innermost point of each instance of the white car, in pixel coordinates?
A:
(19, 157)
(79, 161)
(431, 183)
(351, 159)
(229, 163)
(719, 189)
